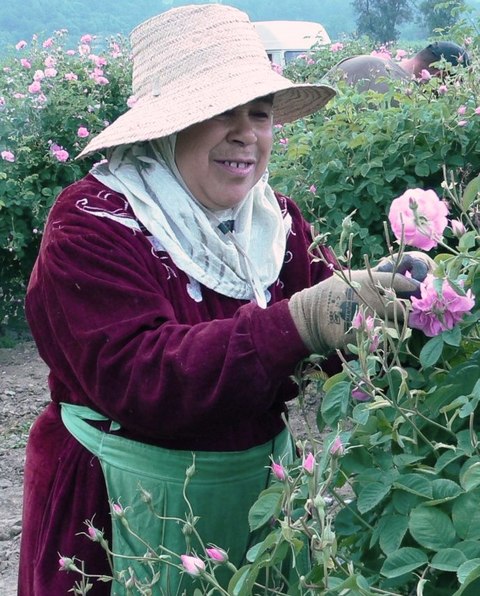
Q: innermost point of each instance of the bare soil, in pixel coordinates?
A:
(23, 395)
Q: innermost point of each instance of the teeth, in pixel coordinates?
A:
(236, 164)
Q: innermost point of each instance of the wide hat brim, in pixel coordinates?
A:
(220, 66)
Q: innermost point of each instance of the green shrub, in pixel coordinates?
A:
(364, 149)
(39, 139)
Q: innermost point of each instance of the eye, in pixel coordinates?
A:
(261, 112)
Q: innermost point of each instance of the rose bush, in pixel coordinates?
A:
(412, 457)
(53, 98)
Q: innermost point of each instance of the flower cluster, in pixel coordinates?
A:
(419, 218)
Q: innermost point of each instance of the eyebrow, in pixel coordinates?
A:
(265, 98)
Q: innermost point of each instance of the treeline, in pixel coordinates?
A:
(21, 20)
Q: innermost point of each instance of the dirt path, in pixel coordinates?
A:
(23, 394)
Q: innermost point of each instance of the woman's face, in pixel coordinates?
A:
(221, 159)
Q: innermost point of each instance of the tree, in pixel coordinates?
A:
(378, 18)
(440, 15)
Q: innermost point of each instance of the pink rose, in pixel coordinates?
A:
(278, 471)
(309, 463)
(217, 555)
(425, 75)
(21, 44)
(443, 89)
(420, 217)
(336, 47)
(25, 63)
(7, 156)
(192, 565)
(433, 313)
(83, 132)
(34, 87)
(337, 448)
(131, 101)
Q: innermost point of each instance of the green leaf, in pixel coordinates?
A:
(431, 351)
(422, 169)
(443, 490)
(335, 403)
(392, 530)
(467, 241)
(447, 458)
(470, 477)
(466, 515)
(261, 512)
(448, 559)
(243, 580)
(416, 484)
(470, 548)
(470, 193)
(469, 572)
(431, 528)
(403, 561)
(452, 337)
(371, 495)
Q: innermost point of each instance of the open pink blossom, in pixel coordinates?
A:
(35, 87)
(21, 44)
(435, 312)
(420, 216)
(83, 132)
(425, 75)
(7, 156)
(192, 565)
(336, 47)
(25, 63)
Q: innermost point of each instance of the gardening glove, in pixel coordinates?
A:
(323, 314)
(417, 263)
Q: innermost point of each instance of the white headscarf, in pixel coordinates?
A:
(242, 264)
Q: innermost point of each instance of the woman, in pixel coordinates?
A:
(169, 302)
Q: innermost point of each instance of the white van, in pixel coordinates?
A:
(286, 40)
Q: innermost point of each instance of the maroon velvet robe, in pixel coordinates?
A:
(115, 322)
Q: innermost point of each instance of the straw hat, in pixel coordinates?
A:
(194, 62)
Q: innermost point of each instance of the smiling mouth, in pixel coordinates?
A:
(239, 165)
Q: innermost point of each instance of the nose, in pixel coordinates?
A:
(242, 130)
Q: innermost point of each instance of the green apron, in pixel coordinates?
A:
(221, 491)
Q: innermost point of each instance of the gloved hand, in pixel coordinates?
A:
(323, 314)
(417, 263)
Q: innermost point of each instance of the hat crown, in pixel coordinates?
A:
(188, 43)
(194, 62)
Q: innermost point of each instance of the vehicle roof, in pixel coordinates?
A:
(291, 35)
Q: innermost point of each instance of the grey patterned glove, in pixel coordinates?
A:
(323, 314)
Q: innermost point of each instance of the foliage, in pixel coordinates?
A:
(412, 458)
(379, 18)
(52, 101)
(364, 149)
